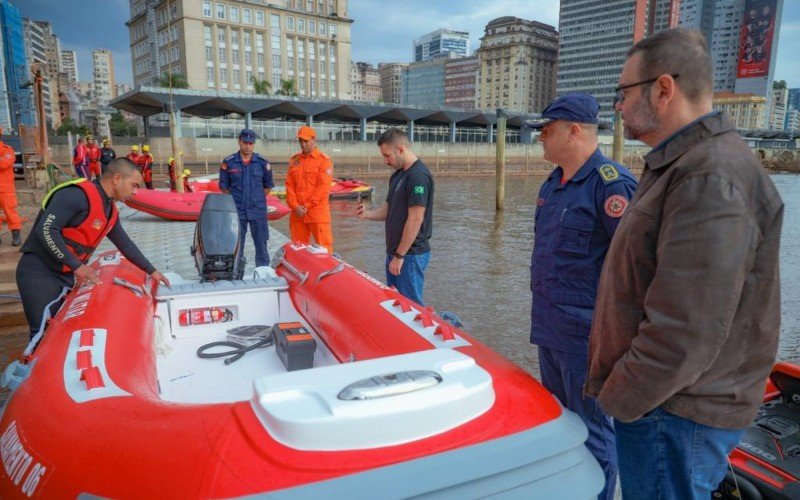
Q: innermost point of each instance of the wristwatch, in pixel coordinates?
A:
(399, 255)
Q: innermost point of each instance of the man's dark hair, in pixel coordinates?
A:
(677, 51)
(122, 166)
(393, 136)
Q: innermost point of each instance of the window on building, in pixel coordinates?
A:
(276, 79)
(235, 56)
(223, 75)
(220, 11)
(234, 37)
(259, 18)
(312, 82)
(301, 25)
(210, 74)
(301, 85)
(321, 7)
(310, 5)
(222, 58)
(261, 75)
(275, 22)
(276, 61)
(322, 28)
(234, 14)
(260, 60)
(247, 16)
(209, 54)
(290, 23)
(247, 40)
(248, 58)
(260, 41)
(207, 9)
(312, 27)
(333, 29)
(222, 36)
(237, 77)
(248, 75)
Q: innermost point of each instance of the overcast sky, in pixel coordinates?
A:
(382, 31)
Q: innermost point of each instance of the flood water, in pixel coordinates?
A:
(480, 260)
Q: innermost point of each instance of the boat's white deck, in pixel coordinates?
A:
(183, 377)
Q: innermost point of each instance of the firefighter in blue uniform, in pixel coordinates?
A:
(247, 176)
(577, 212)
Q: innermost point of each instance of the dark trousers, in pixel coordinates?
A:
(564, 374)
(260, 231)
(38, 286)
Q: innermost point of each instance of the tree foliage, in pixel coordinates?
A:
(122, 127)
(69, 125)
(287, 88)
(174, 80)
(261, 86)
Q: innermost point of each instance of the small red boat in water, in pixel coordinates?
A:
(341, 189)
(356, 392)
(186, 206)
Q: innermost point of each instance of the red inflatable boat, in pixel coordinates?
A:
(362, 394)
(186, 206)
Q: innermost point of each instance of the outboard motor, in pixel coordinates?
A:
(217, 247)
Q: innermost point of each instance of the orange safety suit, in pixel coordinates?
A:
(308, 183)
(8, 192)
(146, 164)
(93, 157)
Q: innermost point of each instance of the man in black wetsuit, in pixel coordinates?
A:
(74, 219)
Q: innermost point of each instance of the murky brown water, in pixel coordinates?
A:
(479, 264)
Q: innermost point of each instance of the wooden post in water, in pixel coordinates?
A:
(618, 148)
(500, 161)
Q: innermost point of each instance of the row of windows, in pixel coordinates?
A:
(232, 13)
(213, 78)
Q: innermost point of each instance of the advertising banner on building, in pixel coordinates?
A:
(755, 42)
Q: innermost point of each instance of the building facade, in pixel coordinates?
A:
(792, 123)
(441, 43)
(16, 70)
(35, 52)
(517, 65)
(778, 105)
(69, 66)
(747, 111)
(594, 38)
(793, 99)
(461, 82)
(365, 82)
(105, 86)
(303, 41)
(423, 84)
(52, 54)
(392, 81)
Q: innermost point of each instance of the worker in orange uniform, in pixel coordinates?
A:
(93, 157)
(146, 165)
(308, 184)
(8, 192)
(173, 176)
(185, 176)
(134, 154)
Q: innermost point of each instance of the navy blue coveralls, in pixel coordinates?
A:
(574, 225)
(247, 183)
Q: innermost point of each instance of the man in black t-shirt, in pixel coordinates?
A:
(408, 215)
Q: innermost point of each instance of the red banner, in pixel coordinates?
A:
(755, 41)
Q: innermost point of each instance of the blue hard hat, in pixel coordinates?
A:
(247, 135)
(580, 108)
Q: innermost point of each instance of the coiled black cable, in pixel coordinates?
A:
(236, 352)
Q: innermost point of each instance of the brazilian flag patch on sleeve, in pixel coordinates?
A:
(419, 189)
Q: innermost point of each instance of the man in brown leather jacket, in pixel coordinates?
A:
(687, 316)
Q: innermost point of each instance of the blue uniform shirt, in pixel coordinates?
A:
(247, 183)
(574, 225)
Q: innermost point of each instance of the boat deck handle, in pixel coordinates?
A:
(130, 286)
(301, 276)
(327, 273)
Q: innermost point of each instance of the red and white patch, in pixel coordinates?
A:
(615, 205)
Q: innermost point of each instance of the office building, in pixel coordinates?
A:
(423, 83)
(517, 65)
(778, 105)
(365, 82)
(441, 43)
(792, 123)
(747, 111)
(721, 23)
(105, 86)
(793, 99)
(16, 72)
(460, 82)
(224, 45)
(69, 66)
(594, 38)
(52, 55)
(392, 81)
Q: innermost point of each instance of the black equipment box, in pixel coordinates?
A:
(294, 345)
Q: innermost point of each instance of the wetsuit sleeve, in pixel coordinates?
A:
(614, 201)
(68, 206)
(123, 242)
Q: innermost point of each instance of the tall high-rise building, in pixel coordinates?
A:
(105, 87)
(306, 42)
(460, 82)
(780, 98)
(35, 52)
(441, 43)
(792, 123)
(69, 65)
(16, 70)
(594, 37)
(392, 81)
(423, 83)
(721, 23)
(793, 99)
(517, 61)
(365, 82)
(52, 54)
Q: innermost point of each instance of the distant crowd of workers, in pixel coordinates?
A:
(91, 161)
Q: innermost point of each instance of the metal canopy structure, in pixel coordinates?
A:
(149, 101)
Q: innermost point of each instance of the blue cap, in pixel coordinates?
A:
(580, 108)
(247, 135)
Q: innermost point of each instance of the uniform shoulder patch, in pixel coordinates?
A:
(615, 205)
(608, 172)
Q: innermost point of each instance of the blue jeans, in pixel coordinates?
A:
(260, 232)
(564, 374)
(664, 456)
(412, 276)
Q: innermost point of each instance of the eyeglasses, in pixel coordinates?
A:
(619, 92)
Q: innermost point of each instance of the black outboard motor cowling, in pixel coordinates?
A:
(217, 245)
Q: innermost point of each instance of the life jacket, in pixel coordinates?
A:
(83, 239)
